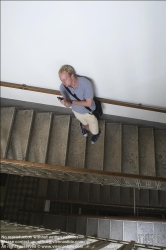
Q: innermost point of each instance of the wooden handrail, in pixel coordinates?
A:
(81, 170)
(107, 101)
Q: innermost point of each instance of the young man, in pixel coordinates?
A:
(82, 88)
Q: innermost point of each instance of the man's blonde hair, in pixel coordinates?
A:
(67, 68)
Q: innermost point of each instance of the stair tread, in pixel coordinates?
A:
(58, 143)
(116, 231)
(20, 135)
(74, 190)
(39, 138)
(77, 146)
(146, 152)
(7, 117)
(92, 226)
(94, 194)
(160, 152)
(52, 189)
(104, 228)
(113, 147)
(95, 152)
(130, 149)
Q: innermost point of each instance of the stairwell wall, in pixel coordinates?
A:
(119, 45)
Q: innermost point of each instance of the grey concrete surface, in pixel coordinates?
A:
(146, 152)
(92, 227)
(104, 228)
(57, 149)
(114, 195)
(94, 194)
(95, 152)
(7, 118)
(144, 197)
(130, 149)
(63, 190)
(20, 135)
(105, 194)
(145, 232)
(130, 230)
(55, 222)
(74, 188)
(77, 146)
(125, 195)
(84, 191)
(71, 224)
(52, 189)
(113, 147)
(81, 225)
(39, 138)
(160, 152)
(116, 231)
(5, 102)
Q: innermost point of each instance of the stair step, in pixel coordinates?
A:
(137, 196)
(113, 147)
(145, 229)
(162, 198)
(153, 198)
(94, 194)
(95, 152)
(159, 234)
(7, 118)
(42, 187)
(63, 189)
(129, 231)
(146, 152)
(37, 219)
(125, 195)
(39, 138)
(20, 135)
(144, 197)
(84, 191)
(116, 231)
(92, 226)
(77, 146)
(74, 190)
(114, 194)
(52, 189)
(71, 224)
(81, 224)
(130, 149)
(105, 194)
(55, 222)
(160, 152)
(58, 143)
(104, 228)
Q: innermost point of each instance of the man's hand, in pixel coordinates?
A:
(66, 102)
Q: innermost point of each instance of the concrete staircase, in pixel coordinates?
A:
(56, 139)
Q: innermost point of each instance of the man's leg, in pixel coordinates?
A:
(93, 127)
(83, 123)
(86, 127)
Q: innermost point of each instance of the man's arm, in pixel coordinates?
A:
(87, 103)
(66, 102)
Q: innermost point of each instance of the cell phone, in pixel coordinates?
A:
(60, 98)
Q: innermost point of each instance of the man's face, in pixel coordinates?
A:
(66, 79)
